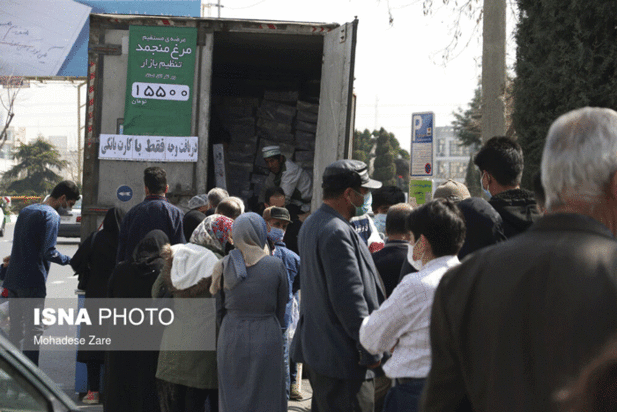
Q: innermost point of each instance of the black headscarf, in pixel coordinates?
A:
(112, 221)
(146, 258)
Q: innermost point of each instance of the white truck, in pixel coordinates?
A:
(255, 83)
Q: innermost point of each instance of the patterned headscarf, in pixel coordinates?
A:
(213, 233)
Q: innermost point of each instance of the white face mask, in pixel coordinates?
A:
(415, 263)
(486, 192)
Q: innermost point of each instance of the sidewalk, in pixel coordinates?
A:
(293, 406)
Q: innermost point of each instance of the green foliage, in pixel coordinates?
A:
(472, 179)
(566, 59)
(389, 159)
(36, 161)
(468, 124)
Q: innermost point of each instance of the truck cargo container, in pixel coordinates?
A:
(256, 83)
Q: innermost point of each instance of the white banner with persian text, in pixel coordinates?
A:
(148, 148)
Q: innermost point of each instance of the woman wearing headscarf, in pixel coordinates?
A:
(252, 295)
(187, 379)
(93, 262)
(130, 375)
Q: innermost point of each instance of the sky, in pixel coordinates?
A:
(399, 67)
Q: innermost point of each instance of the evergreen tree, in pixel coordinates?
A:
(468, 124)
(36, 161)
(566, 59)
(381, 150)
(362, 146)
(384, 167)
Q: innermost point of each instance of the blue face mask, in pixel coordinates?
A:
(366, 206)
(276, 235)
(380, 222)
(486, 192)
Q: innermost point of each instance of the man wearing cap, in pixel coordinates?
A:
(277, 220)
(452, 190)
(295, 181)
(340, 287)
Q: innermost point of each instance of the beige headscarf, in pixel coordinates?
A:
(249, 236)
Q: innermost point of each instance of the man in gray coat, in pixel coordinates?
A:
(340, 287)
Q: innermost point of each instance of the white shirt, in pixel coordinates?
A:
(405, 318)
(294, 177)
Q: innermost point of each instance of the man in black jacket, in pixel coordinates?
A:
(390, 259)
(515, 322)
(500, 161)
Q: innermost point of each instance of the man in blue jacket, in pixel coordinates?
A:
(34, 247)
(277, 219)
(155, 212)
(340, 287)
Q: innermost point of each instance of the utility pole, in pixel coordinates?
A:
(209, 7)
(79, 130)
(493, 69)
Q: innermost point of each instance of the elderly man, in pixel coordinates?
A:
(516, 321)
(340, 287)
(295, 181)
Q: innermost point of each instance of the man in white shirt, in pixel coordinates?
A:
(401, 323)
(295, 181)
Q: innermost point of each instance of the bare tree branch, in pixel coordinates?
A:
(12, 85)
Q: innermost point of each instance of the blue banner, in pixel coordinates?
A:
(76, 64)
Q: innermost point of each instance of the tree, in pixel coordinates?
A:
(468, 128)
(362, 146)
(382, 152)
(33, 174)
(468, 124)
(384, 167)
(12, 86)
(566, 59)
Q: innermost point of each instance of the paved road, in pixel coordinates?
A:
(59, 365)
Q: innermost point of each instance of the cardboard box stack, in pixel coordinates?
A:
(280, 118)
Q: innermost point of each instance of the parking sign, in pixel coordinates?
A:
(422, 126)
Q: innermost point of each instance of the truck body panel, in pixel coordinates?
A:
(249, 74)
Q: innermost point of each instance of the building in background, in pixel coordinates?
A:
(451, 157)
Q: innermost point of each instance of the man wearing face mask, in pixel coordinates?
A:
(277, 220)
(383, 199)
(34, 247)
(402, 321)
(340, 287)
(500, 161)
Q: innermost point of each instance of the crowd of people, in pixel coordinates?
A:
(459, 304)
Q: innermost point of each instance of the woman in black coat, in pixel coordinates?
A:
(93, 262)
(130, 375)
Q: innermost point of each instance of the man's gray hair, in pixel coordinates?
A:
(580, 156)
(232, 207)
(216, 195)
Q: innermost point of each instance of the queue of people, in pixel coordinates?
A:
(466, 304)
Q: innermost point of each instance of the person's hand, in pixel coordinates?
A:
(5, 261)
(374, 365)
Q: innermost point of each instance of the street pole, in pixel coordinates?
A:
(493, 69)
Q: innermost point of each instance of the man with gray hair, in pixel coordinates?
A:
(515, 322)
(215, 196)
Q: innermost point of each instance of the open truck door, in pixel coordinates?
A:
(335, 127)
